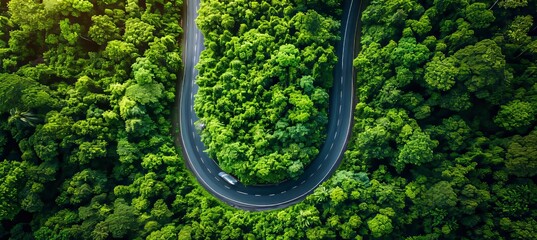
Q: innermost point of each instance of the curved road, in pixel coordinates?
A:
(339, 126)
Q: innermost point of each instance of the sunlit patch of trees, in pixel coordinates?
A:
(264, 80)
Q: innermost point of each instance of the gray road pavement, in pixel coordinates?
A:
(322, 167)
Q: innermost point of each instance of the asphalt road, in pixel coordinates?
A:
(322, 167)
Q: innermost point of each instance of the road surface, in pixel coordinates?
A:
(256, 198)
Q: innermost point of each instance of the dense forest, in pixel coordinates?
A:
(263, 84)
(443, 147)
(87, 89)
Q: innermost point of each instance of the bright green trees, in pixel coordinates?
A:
(23, 186)
(440, 72)
(103, 29)
(12, 177)
(23, 94)
(513, 3)
(380, 225)
(120, 223)
(264, 81)
(138, 32)
(417, 150)
(482, 67)
(516, 114)
(31, 15)
(82, 187)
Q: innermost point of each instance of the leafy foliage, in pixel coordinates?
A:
(443, 145)
(79, 114)
(454, 130)
(264, 81)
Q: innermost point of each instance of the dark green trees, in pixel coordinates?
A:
(446, 112)
(520, 159)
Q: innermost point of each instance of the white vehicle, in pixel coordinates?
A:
(199, 126)
(228, 178)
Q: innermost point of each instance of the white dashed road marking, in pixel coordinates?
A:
(227, 186)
